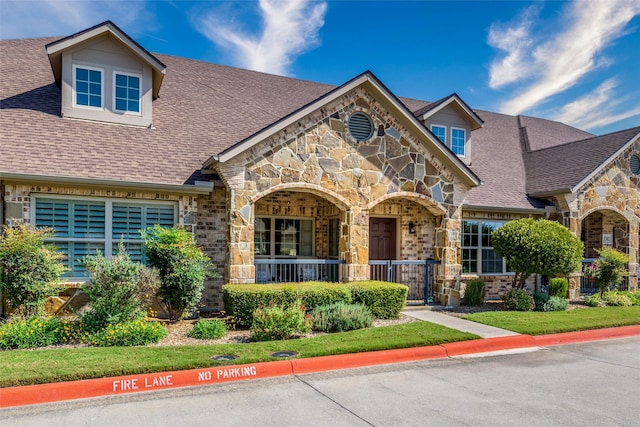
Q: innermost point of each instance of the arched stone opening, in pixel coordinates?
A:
(299, 234)
(605, 227)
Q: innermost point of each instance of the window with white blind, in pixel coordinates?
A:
(82, 226)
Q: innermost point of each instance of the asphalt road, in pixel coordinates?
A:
(592, 384)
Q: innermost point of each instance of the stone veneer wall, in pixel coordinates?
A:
(612, 190)
(317, 155)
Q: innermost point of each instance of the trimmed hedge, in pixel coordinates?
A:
(241, 301)
(385, 300)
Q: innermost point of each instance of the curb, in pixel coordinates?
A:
(55, 392)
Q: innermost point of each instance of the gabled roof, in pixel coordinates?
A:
(565, 168)
(55, 49)
(372, 84)
(450, 100)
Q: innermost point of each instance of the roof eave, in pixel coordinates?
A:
(365, 78)
(199, 187)
(480, 208)
(475, 120)
(54, 51)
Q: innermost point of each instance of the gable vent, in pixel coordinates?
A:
(634, 164)
(360, 126)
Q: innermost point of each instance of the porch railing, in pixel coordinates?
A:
(297, 270)
(418, 275)
(588, 284)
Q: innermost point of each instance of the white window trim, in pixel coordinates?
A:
(75, 98)
(272, 237)
(464, 144)
(445, 132)
(113, 98)
(479, 249)
(108, 219)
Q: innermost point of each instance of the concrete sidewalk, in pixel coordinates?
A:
(429, 315)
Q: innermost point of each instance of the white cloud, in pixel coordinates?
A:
(598, 108)
(40, 18)
(516, 41)
(290, 27)
(552, 66)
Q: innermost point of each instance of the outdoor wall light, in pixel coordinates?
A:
(412, 228)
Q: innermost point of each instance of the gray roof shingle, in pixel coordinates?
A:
(206, 108)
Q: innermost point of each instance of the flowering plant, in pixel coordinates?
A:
(591, 270)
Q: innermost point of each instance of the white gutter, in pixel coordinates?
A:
(476, 208)
(199, 187)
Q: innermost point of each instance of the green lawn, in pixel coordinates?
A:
(539, 323)
(22, 367)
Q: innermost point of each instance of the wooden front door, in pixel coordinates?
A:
(382, 238)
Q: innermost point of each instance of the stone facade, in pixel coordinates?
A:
(392, 174)
(609, 203)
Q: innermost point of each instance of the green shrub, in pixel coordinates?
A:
(241, 301)
(474, 293)
(385, 300)
(555, 304)
(518, 300)
(208, 329)
(541, 246)
(113, 289)
(634, 297)
(279, 322)
(32, 332)
(594, 300)
(609, 268)
(126, 334)
(558, 287)
(29, 269)
(341, 317)
(539, 300)
(616, 298)
(182, 267)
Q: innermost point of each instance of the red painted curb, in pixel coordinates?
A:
(591, 335)
(55, 392)
(358, 360)
(511, 342)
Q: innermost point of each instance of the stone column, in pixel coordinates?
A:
(447, 251)
(634, 246)
(240, 268)
(354, 244)
(575, 226)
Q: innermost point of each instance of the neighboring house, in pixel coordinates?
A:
(100, 138)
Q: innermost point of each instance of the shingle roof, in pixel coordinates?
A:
(565, 166)
(205, 108)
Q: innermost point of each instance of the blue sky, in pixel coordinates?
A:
(574, 61)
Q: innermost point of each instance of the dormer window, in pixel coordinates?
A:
(88, 86)
(440, 132)
(127, 93)
(457, 141)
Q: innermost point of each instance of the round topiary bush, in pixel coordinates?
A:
(208, 329)
(518, 300)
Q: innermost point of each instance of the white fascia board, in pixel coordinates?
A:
(199, 187)
(454, 98)
(278, 126)
(605, 163)
(63, 44)
(308, 109)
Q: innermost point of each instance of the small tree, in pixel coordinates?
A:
(114, 290)
(29, 269)
(609, 268)
(182, 267)
(537, 247)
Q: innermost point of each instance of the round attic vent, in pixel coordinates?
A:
(360, 126)
(634, 164)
